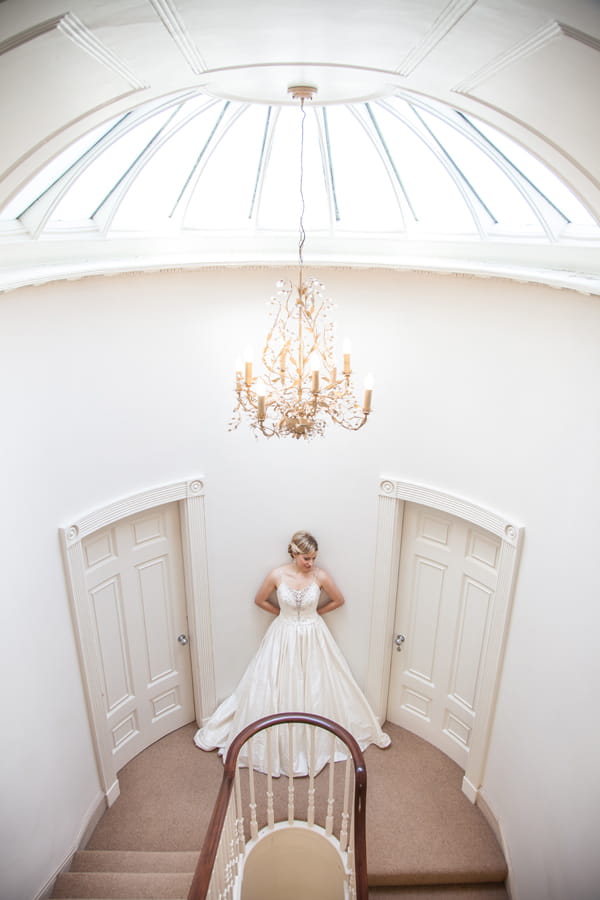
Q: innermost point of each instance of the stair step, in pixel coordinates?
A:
(134, 861)
(409, 869)
(440, 892)
(122, 885)
(440, 862)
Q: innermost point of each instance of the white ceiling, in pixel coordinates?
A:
(530, 68)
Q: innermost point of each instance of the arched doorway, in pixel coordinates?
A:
(443, 608)
(138, 582)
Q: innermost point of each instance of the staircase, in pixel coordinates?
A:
(415, 850)
(112, 874)
(167, 875)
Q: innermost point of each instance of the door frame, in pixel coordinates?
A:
(189, 495)
(392, 496)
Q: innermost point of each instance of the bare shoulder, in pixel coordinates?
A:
(275, 575)
(327, 584)
(321, 577)
(280, 571)
(270, 583)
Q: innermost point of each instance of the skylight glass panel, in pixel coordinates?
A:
(280, 203)
(367, 201)
(152, 196)
(223, 196)
(186, 110)
(400, 166)
(101, 175)
(504, 200)
(435, 198)
(53, 170)
(538, 173)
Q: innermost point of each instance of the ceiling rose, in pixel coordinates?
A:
(266, 83)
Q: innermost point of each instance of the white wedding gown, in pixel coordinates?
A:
(297, 668)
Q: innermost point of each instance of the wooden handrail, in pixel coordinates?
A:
(204, 868)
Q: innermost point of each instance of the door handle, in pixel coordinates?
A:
(182, 639)
(399, 640)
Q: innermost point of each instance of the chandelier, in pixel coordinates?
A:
(301, 388)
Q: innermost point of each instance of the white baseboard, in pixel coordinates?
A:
(113, 792)
(90, 820)
(490, 818)
(96, 812)
(469, 790)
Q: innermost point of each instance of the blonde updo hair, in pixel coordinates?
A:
(302, 542)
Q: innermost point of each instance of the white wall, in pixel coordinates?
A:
(484, 388)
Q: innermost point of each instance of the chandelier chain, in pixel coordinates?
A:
(302, 201)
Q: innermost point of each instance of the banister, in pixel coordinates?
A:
(206, 861)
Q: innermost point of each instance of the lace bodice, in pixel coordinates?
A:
(298, 606)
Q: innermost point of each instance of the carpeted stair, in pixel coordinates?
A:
(441, 892)
(425, 841)
(160, 875)
(131, 874)
(143, 875)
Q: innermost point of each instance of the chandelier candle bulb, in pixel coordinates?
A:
(368, 393)
(347, 352)
(314, 365)
(248, 366)
(261, 390)
(238, 374)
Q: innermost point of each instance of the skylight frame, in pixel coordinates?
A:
(555, 223)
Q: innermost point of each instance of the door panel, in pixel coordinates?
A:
(134, 580)
(446, 584)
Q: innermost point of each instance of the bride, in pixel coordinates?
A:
(298, 668)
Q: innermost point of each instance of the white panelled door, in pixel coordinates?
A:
(135, 588)
(446, 590)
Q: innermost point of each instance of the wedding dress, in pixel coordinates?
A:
(297, 668)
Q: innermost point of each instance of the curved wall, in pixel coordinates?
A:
(484, 388)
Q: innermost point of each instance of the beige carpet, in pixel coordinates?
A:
(421, 829)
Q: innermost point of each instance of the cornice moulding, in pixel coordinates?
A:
(574, 268)
(537, 41)
(452, 13)
(71, 27)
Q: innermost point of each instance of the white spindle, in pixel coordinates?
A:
(232, 844)
(352, 886)
(290, 774)
(312, 765)
(345, 813)
(227, 853)
(252, 804)
(350, 856)
(330, 799)
(270, 810)
(224, 861)
(239, 819)
(218, 871)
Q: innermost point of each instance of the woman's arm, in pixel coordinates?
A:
(334, 595)
(264, 592)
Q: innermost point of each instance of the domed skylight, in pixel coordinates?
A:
(399, 168)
